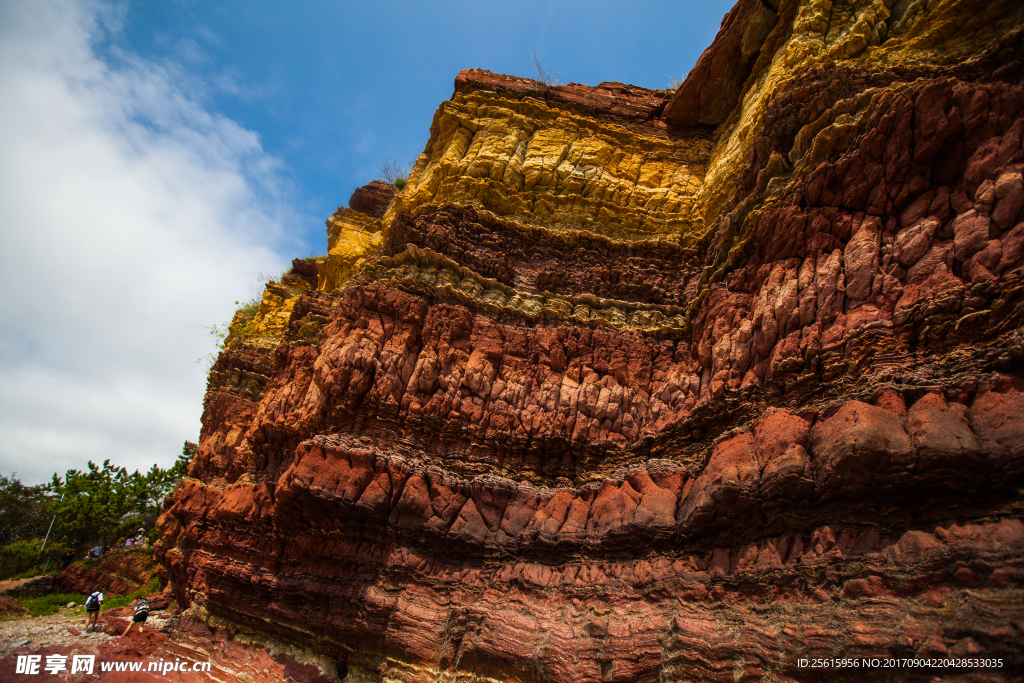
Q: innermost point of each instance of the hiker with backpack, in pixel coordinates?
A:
(141, 612)
(92, 609)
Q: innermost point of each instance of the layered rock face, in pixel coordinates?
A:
(631, 385)
(118, 572)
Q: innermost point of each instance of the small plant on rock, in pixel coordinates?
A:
(543, 76)
(394, 172)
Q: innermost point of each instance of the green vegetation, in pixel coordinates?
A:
(44, 605)
(239, 326)
(50, 603)
(247, 309)
(20, 559)
(23, 510)
(107, 502)
(87, 508)
(219, 333)
(36, 572)
(115, 601)
(394, 172)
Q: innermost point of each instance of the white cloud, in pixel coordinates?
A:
(130, 217)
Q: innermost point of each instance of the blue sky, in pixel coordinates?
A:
(157, 158)
(333, 87)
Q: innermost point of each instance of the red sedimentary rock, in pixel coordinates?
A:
(117, 572)
(372, 199)
(709, 93)
(518, 448)
(9, 605)
(616, 101)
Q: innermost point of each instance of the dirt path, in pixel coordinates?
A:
(4, 585)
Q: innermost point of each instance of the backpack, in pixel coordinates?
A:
(93, 602)
(142, 607)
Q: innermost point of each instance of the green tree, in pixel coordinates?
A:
(104, 503)
(87, 507)
(97, 503)
(160, 483)
(24, 510)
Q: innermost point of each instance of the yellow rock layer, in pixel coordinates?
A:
(859, 34)
(542, 166)
(534, 164)
(351, 237)
(267, 327)
(418, 269)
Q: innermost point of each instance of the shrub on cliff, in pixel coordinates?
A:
(395, 172)
(306, 266)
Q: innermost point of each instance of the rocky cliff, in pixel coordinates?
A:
(631, 385)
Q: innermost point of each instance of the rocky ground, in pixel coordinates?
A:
(65, 629)
(185, 640)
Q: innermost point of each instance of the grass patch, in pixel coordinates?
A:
(34, 573)
(50, 603)
(22, 559)
(394, 172)
(115, 601)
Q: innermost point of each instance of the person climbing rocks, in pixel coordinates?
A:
(92, 609)
(141, 613)
(67, 558)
